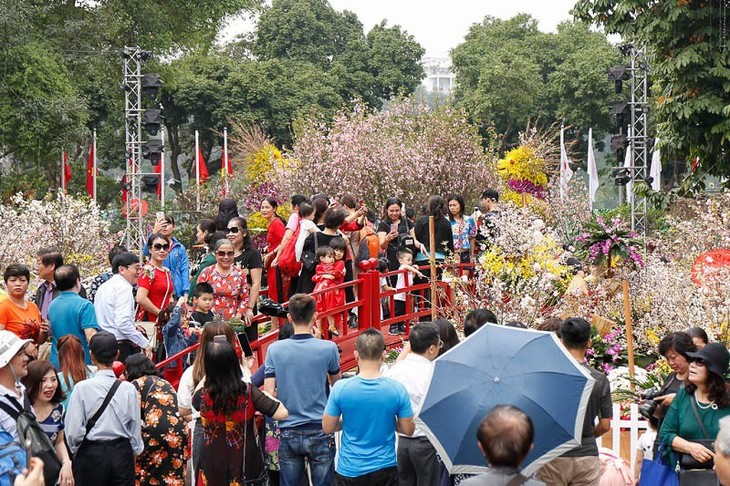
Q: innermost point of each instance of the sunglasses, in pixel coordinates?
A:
(225, 253)
(699, 361)
(160, 246)
(234, 230)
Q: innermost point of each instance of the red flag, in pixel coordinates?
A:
(158, 171)
(90, 175)
(695, 164)
(66, 171)
(202, 168)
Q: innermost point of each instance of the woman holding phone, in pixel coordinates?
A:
(391, 232)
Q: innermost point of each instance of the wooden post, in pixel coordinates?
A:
(629, 328)
(432, 261)
(524, 199)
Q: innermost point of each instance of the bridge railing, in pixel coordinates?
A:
(368, 307)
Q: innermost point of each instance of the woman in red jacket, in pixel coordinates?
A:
(277, 227)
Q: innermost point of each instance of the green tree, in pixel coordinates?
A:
(61, 72)
(509, 72)
(371, 67)
(690, 66)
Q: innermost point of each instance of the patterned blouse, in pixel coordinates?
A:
(462, 231)
(53, 424)
(230, 291)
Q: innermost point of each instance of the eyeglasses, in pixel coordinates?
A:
(234, 230)
(160, 246)
(225, 253)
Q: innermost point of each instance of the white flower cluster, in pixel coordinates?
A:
(73, 226)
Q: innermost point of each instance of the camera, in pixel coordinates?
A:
(272, 309)
(647, 406)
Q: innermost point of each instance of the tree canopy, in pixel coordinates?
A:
(61, 75)
(687, 43)
(508, 71)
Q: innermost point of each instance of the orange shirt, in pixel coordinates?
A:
(26, 323)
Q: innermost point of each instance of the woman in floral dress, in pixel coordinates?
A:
(230, 453)
(162, 462)
(229, 283)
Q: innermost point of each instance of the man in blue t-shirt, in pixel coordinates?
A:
(369, 409)
(298, 369)
(70, 313)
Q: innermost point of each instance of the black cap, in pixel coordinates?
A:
(103, 345)
(715, 356)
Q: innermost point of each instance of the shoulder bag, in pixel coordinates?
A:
(34, 439)
(309, 257)
(261, 478)
(692, 472)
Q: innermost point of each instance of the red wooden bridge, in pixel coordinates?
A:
(368, 303)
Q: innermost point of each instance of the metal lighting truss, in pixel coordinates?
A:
(638, 134)
(133, 111)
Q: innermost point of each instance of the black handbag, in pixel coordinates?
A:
(691, 471)
(259, 467)
(309, 257)
(706, 477)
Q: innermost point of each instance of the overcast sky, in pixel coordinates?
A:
(439, 26)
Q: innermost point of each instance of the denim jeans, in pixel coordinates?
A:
(319, 448)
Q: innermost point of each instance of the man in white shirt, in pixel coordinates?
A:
(104, 443)
(13, 367)
(114, 306)
(417, 462)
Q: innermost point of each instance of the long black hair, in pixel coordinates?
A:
(388, 203)
(462, 205)
(227, 210)
(223, 376)
(275, 205)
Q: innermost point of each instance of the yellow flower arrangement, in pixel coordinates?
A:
(260, 164)
(522, 164)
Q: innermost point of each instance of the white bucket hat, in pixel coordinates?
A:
(10, 344)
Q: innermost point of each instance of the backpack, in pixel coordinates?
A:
(30, 432)
(288, 264)
(13, 459)
(615, 471)
(369, 248)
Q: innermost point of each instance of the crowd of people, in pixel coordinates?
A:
(81, 361)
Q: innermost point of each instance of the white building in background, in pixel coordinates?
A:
(439, 78)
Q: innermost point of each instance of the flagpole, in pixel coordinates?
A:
(162, 167)
(93, 174)
(63, 174)
(197, 172)
(225, 158)
(593, 181)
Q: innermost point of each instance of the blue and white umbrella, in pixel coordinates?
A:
(500, 365)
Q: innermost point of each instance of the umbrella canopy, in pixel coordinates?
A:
(504, 365)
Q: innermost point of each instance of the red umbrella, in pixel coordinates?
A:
(713, 259)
